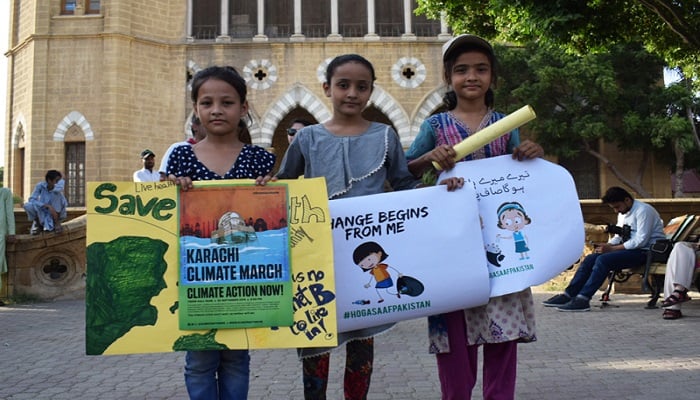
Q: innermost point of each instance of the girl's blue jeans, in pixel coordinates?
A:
(217, 374)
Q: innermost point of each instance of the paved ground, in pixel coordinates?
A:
(622, 352)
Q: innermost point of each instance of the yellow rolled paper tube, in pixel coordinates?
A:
(492, 132)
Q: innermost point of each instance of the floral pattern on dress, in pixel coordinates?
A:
(502, 319)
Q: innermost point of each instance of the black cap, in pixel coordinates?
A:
(147, 153)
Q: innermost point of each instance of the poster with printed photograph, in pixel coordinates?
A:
(234, 257)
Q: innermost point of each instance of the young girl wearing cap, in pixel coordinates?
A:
(498, 326)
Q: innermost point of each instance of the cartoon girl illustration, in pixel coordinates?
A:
(369, 257)
(512, 217)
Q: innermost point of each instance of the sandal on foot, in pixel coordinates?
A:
(58, 229)
(672, 314)
(678, 296)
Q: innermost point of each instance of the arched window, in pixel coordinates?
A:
(74, 169)
(74, 174)
(73, 131)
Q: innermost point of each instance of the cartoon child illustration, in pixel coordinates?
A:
(512, 217)
(369, 257)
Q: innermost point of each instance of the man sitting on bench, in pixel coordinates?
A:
(638, 226)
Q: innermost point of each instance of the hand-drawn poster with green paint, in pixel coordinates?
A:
(234, 257)
(133, 256)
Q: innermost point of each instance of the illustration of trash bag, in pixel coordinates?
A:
(409, 286)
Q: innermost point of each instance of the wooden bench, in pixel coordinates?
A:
(681, 228)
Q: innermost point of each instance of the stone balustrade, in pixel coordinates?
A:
(47, 266)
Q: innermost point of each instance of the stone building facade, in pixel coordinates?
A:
(93, 83)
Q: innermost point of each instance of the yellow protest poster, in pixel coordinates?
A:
(134, 241)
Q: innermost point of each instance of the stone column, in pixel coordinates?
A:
(190, 13)
(407, 19)
(224, 37)
(261, 37)
(371, 29)
(444, 34)
(297, 35)
(335, 35)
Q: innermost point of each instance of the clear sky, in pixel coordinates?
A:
(4, 27)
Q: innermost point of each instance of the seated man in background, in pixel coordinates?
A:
(47, 206)
(635, 219)
(680, 267)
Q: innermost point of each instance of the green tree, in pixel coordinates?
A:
(587, 102)
(680, 130)
(668, 28)
(580, 100)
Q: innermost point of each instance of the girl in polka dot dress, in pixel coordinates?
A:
(219, 97)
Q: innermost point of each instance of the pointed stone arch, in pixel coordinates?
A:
(393, 110)
(19, 132)
(297, 96)
(431, 102)
(73, 118)
(253, 121)
(192, 69)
